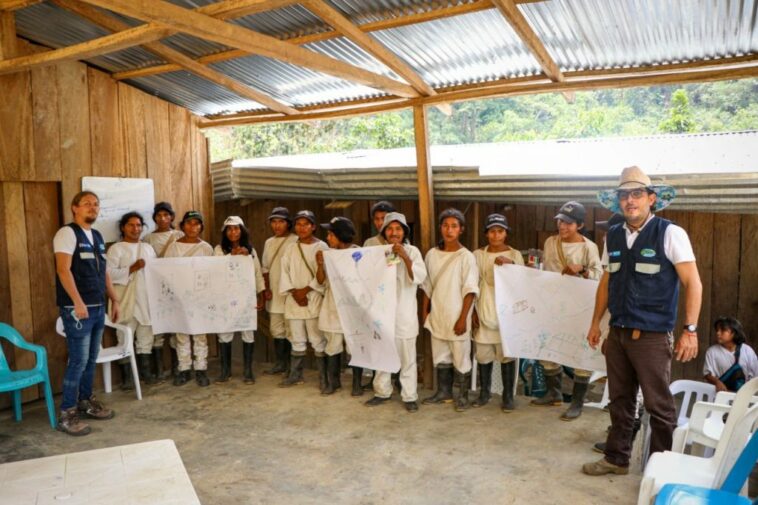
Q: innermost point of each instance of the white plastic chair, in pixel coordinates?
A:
(692, 392)
(673, 467)
(706, 423)
(114, 353)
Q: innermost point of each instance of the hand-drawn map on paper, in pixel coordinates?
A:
(546, 315)
(207, 294)
(364, 284)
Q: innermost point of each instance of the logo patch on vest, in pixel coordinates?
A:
(614, 254)
(647, 253)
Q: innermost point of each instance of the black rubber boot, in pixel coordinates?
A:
(181, 378)
(554, 396)
(369, 384)
(248, 348)
(357, 377)
(321, 367)
(225, 353)
(287, 356)
(201, 377)
(143, 364)
(485, 385)
(174, 362)
(444, 392)
(508, 374)
(332, 375)
(280, 354)
(157, 363)
(464, 386)
(295, 377)
(581, 384)
(127, 381)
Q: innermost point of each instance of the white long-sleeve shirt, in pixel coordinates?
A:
(120, 257)
(489, 328)
(159, 239)
(406, 313)
(271, 264)
(260, 284)
(296, 275)
(447, 289)
(583, 253)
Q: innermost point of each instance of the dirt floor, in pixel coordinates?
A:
(262, 444)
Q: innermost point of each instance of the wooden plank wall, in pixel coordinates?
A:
(61, 123)
(725, 245)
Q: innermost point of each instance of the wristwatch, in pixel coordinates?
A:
(692, 328)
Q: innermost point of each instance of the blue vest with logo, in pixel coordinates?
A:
(88, 269)
(643, 287)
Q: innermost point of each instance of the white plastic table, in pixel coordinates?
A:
(145, 473)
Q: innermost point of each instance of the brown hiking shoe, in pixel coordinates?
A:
(604, 467)
(94, 409)
(69, 423)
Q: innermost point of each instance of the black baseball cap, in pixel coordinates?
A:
(571, 212)
(342, 227)
(305, 214)
(280, 213)
(496, 220)
(382, 206)
(451, 212)
(165, 206)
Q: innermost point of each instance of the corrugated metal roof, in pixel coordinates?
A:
(714, 172)
(464, 49)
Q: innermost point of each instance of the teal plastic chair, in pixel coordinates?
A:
(13, 382)
(682, 494)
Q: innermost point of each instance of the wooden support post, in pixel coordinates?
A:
(475, 227)
(8, 44)
(425, 217)
(424, 176)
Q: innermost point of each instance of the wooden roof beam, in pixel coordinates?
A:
(510, 11)
(108, 44)
(110, 23)
(12, 5)
(384, 24)
(170, 16)
(343, 25)
(512, 89)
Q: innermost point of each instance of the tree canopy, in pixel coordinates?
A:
(708, 107)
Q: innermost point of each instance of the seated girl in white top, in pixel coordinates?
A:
(730, 362)
(235, 241)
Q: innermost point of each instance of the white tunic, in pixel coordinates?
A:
(583, 253)
(328, 317)
(260, 284)
(121, 256)
(406, 315)
(375, 240)
(718, 360)
(447, 291)
(271, 263)
(159, 239)
(182, 250)
(296, 275)
(488, 332)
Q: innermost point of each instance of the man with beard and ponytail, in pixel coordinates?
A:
(82, 282)
(411, 273)
(489, 347)
(450, 289)
(271, 265)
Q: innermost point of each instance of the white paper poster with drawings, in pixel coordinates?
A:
(206, 294)
(117, 197)
(546, 315)
(364, 284)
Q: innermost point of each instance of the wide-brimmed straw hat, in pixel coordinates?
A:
(635, 178)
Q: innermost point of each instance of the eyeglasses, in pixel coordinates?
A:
(635, 194)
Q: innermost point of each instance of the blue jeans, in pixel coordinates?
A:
(83, 340)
